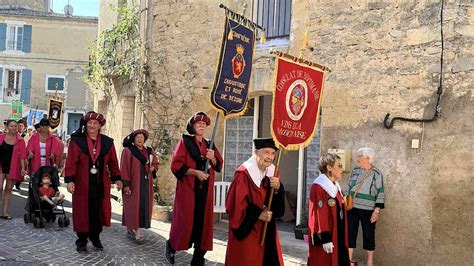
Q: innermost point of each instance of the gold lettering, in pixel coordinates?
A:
(235, 99)
(234, 83)
(237, 91)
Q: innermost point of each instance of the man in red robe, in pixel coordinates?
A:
(193, 214)
(91, 157)
(246, 204)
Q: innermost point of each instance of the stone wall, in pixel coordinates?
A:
(385, 58)
(118, 104)
(183, 58)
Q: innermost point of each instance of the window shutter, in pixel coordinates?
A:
(3, 36)
(27, 38)
(25, 86)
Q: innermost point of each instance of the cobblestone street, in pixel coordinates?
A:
(22, 244)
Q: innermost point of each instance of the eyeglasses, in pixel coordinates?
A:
(339, 165)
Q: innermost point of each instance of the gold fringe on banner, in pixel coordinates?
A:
(244, 110)
(300, 61)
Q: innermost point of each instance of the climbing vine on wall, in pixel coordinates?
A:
(120, 57)
(118, 54)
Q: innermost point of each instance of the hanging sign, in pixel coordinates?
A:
(17, 110)
(230, 91)
(55, 107)
(296, 100)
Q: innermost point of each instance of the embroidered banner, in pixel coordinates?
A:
(34, 116)
(296, 98)
(230, 91)
(55, 108)
(17, 110)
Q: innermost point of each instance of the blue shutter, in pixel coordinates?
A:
(25, 86)
(3, 36)
(26, 38)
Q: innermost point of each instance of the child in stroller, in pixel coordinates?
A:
(38, 209)
(47, 193)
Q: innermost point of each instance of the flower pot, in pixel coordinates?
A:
(162, 213)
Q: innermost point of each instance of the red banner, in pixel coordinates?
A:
(296, 98)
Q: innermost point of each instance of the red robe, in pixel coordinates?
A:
(19, 154)
(327, 226)
(132, 175)
(184, 204)
(242, 192)
(53, 146)
(77, 169)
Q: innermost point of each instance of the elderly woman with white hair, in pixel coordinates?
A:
(366, 186)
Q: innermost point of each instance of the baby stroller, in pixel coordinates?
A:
(38, 211)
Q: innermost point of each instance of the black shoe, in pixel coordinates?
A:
(17, 187)
(169, 255)
(197, 262)
(81, 248)
(98, 245)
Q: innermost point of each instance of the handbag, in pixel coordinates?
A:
(349, 200)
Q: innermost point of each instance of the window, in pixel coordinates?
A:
(15, 38)
(54, 83)
(274, 16)
(238, 143)
(12, 89)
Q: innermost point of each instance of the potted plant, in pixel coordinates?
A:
(161, 210)
(302, 228)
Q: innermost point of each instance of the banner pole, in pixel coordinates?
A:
(241, 17)
(300, 60)
(272, 191)
(300, 196)
(211, 145)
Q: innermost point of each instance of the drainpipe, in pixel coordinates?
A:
(299, 198)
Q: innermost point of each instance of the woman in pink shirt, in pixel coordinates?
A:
(12, 162)
(43, 148)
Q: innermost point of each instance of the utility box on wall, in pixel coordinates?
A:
(345, 158)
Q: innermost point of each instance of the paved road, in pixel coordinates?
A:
(21, 244)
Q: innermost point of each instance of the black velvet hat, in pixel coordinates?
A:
(261, 143)
(44, 122)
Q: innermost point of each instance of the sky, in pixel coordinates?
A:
(81, 7)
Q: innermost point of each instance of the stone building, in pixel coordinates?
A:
(385, 57)
(44, 54)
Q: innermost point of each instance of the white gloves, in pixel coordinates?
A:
(328, 247)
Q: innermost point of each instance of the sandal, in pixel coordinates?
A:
(130, 234)
(7, 217)
(139, 240)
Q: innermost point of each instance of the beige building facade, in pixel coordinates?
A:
(45, 54)
(385, 57)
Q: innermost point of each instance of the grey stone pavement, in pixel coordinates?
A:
(22, 244)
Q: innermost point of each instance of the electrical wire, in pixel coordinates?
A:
(437, 111)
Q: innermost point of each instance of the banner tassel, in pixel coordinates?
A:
(230, 36)
(262, 37)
